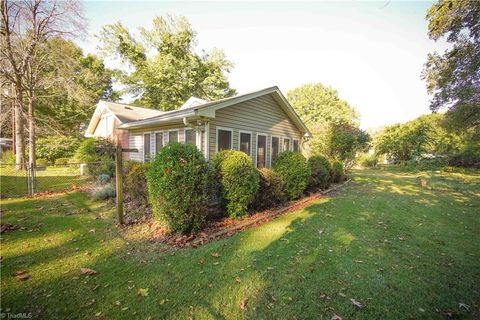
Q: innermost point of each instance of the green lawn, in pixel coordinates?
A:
(404, 251)
(13, 183)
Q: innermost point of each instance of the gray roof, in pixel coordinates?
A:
(127, 113)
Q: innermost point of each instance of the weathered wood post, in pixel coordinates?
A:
(119, 183)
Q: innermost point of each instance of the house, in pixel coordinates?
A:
(261, 124)
(108, 116)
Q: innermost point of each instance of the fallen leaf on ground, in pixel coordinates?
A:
(88, 271)
(336, 317)
(243, 303)
(163, 301)
(237, 279)
(464, 306)
(142, 292)
(215, 254)
(356, 303)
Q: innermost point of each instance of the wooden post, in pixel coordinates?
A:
(119, 184)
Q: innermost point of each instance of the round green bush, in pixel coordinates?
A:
(238, 179)
(337, 173)
(106, 192)
(270, 191)
(320, 173)
(135, 181)
(177, 187)
(293, 168)
(98, 154)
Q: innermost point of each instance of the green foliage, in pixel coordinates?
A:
(42, 162)
(320, 173)
(238, 179)
(270, 190)
(8, 157)
(177, 187)
(135, 181)
(105, 192)
(468, 157)
(452, 77)
(98, 154)
(54, 147)
(103, 179)
(62, 161)
(337, 172)
(172, 71)
(294, 170)
(367, 160)
(344, 141)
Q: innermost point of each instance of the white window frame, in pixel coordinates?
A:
(178, 135)
(256, 148)
(271, 147)
(216, 137)
(251, 140)
(289, 143)
(143, 142)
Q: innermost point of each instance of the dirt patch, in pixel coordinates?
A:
(6, 227)
(227, 227)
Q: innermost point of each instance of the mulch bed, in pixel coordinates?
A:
(227, 227)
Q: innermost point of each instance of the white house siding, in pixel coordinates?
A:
(259, 115)
(135, 141)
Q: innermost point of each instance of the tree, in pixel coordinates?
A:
(332, 121)
(25, 27)
(163, 68)
(453, 78)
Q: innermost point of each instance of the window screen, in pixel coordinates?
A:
(224, 140)
(190, 137)
(296, 146)
(245, 141)
(286, 144)
(173, 136)
(261, 151)
(275, 147)
(146, 146)
(158, 142)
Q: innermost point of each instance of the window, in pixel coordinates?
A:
(286, 144)
(296, 146)
(261, 150)
(173, 136)
(158, 142)
(275, 147)
(190, 137)
(224, 139)
(146, 147)
(245, 142)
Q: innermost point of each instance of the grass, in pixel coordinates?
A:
(404, 251)
(13, 183)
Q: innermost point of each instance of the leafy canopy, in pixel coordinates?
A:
(453, 78)
(163, 68)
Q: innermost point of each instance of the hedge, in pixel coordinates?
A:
(238, 180)
(135, 181)
(337, 172)
(270, 191)
(320, 173)
(293, 168)
(177, 187)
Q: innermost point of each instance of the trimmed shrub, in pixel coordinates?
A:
(238, 179)
(62, 161)
(135, 181)
(55, 147)
(108, 191)
(337, 173)
(293, 168)
(270, 191)
(320, 173)
(103, 179)
(98, 154)
(177, 187)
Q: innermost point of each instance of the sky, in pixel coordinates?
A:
(371, 52)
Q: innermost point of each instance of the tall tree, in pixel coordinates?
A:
(453, 78)
(25, 27)
(163, 68)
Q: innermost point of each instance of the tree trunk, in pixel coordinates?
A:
(31, 133)
(19, 132)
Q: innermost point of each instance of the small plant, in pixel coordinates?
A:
(320, 173)
(106, 192)
(135, 181)
(8, 157)
(62, 161)
(177, 187)
(293, 168)
(238, 180)
(270, 191)
(103, 179)
(337, 173)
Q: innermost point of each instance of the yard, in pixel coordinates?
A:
(402, 249)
